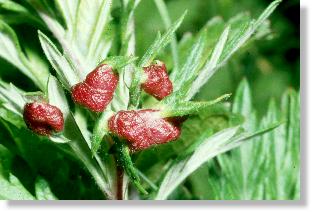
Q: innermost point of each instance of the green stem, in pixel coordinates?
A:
(82, 151)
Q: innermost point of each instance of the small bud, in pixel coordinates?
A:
(97, 90)
(43, 118)
(143, 128)
(157, 83)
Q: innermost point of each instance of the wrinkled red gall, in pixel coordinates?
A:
(97, 90)
(43, 118)
(158, 83)
(143, 128)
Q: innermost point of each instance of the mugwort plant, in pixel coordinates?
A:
(109, 109)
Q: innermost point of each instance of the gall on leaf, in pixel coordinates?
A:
(157, 82)
(97, 90)
(143, 128)
(43, 118)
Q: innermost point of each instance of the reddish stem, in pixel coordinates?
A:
(119, 174)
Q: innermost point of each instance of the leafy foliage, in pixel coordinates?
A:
(266, 167)
(75, 37)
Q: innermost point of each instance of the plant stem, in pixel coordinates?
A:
(119, 175)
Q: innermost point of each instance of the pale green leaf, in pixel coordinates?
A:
(43, 190)
(12, 189)
(188, 107)
(229, 42)
(160, 43)
(209, 68)
(11, 51)
(60, 63)
(180, 170)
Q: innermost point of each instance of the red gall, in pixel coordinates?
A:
(97, 90)
(43, 118)
(143, 128)
(157, 83)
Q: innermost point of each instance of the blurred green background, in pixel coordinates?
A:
(271, 65)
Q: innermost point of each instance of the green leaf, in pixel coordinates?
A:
(84, 49)
(100, 130)
(69, 10)
(190, 68)
(210, 66)
(12, 98)
(157, 46)
(43, 191)
(119, 62)
(127, 27)
(164, 14)
(229, 42)
(12, 189)
(213, 146)
(11, 51)
(188, 107)
(101, 172)
(10, 186)
(60, 63)
(179, 171)
(99, 18)
(265, 162)
(160, 43)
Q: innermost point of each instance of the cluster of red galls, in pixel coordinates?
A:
(141, 128)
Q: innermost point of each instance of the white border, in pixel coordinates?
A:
(267, 206)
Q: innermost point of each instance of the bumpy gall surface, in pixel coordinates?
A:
(143, 128)
(97, 90)
(158, 83)
(43, 118)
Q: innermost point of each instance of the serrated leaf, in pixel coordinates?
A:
(62, 66)
(181, 169)
(11, 51)
(210, 66)
(191, 65)
(228, 44)
(87, 37)
(215, 145)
